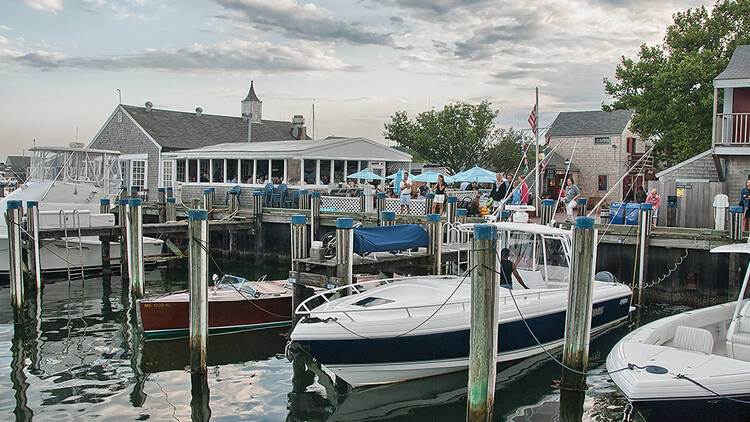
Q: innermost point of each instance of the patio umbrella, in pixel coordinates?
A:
(430, 177)
(394, 176)
(365, 174)
(475, 174)
(397, 178)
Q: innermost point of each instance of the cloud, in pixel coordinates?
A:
(304, 21)
(45, 5)
(231, 56)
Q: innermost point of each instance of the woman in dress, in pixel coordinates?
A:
(439, 195)
(654, 199)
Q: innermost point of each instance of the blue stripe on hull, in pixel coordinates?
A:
(454, 344)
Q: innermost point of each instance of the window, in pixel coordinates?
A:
(261, 166)
(630, 145)
(193, 170)
(325, 171)
(277, 171)
(602, 182)
(602, 140)
(310, 176)
(338, 171)
(292, 171)
(232, 171)
(166, 173)
(125, 172)
(138, 173)
(181, 171)
(218, 169)
(205, 171)
(246, 171)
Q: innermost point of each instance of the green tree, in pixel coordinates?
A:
(670, 85)
(457, 137)
(505, 152)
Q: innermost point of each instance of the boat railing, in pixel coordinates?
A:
(353, 288)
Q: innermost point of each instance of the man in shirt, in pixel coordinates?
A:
(499, 189)
(405, 198)
(507, 270)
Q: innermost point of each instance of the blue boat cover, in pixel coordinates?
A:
(389, 238)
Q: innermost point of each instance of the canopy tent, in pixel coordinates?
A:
(365, 174)
(475, 174)
(430, 177)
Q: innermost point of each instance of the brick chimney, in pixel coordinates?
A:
(298, 129)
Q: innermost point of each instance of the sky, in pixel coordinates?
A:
(358, 61)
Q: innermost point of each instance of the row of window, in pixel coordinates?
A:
(629, 142)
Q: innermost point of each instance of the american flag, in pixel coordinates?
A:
(532, 120)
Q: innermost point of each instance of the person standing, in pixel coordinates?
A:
(524, 190)
(640, 196)
(507, 270)
(745, 204)
(516, 195)
(439, 195)
(499, 189)
(405, 198)
(655, 200)
(572, 193)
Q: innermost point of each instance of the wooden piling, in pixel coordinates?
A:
(344, 250)
(581, 206)
(434, 248)
(134, 191)
(451, 204)
(484, 333)
(303, 201)
(257, 205)
(461, 215)
(122, 210)
(548, 211)
(13, 218)
(134, 237)
(162, 202)
(105, 240)
(2, 190)
(578, 315)
(379, 204)
(207, 204)
(299, 250)
(198, 264)
(196, 203)
(387, 218)
(315, 215)
(124, 192)
(363, 202)
(234, 202)
(170, 192)
(171, 209)
(32, 229)
(644, 228)
(672, 212)
(428, 201)
(735, 223)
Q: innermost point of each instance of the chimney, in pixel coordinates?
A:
(149, 105)
(298, 130)
(198, 112)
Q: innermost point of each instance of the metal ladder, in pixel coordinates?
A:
(63, 222)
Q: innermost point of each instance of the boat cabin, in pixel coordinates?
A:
(541, 253)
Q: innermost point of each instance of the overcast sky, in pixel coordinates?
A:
(62, 61)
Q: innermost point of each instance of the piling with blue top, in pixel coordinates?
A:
(104, 240)
(578, 315)
(451, 203)
(134, 237)
(122, 212)
(257, 204)
(32, 232)
(387, 218)
(735, 223)
(171, 209)
(170, 192)
(207, 204)
(2, 190)
(581, 206)
(644, 231)
(315, 215)
(304, 200)
(428, 202)
(198, 264)
(379, 204)
(548, 211)
(299, 240)
(14, 218)
(484, 334)
(134, 191)
(434, 247)
(363, 202)
(344, 250)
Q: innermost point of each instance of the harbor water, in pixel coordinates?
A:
(83, 358)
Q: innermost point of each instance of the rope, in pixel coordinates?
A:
(685, 377)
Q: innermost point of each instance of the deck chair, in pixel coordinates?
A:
(267, 192)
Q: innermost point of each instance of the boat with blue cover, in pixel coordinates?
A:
(399, 329)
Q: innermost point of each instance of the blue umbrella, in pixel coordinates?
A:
(395, 176)
(430, 177)
(365, 174)
(475, 174)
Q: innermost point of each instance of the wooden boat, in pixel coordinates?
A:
(234, 304)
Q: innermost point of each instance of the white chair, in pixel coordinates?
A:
(694, 339)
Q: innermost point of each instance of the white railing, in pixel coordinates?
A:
(732, 129)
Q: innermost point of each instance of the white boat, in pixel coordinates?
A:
(68, 184)
(396, 330)
(694, 365)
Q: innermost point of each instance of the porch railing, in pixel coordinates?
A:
(732, 129)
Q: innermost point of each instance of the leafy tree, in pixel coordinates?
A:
(457, 137)
(670, 85)
(505, 152)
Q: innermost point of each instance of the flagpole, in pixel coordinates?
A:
(536, 155)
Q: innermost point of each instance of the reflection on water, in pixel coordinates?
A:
(81, 356)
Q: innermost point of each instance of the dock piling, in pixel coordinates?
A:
(234, 202)
(483, 334)
(134, 191)
(434, 248)
(105, 240)
(14, 217)
(581, 206)
(304, 200)
(198, 264)
(548, 211)
(207, 204)
(315, 215)
(379, 205)
(671, 211)
(171, 209)
(387, 218)
(32, 228)
(735, 223)
(428, 201)
(644, 227)
(362, 202)
(344, 250)
(2, 190)
(195, 203)
(461, 215)
(134, 223)
(299, 250)
(122, 210)
(162, 202)
(578, 315)
(451, 205)
(170, 192)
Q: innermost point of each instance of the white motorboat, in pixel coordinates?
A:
(692, 366)
(68, 184)
(401, 329)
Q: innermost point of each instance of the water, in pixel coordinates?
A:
(84, 360)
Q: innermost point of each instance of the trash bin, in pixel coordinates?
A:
(631, 214)
(617, 213)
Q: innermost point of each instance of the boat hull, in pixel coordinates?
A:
(704, 409)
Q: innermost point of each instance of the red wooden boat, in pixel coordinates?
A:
(233, 304)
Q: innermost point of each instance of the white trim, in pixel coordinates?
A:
(732, 83)
(106, 122)
(134, 157)
(682, 164)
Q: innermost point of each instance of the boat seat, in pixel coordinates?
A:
(693, 339)
(742, 330)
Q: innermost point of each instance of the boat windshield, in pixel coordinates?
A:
(77, 165)
(548, 255)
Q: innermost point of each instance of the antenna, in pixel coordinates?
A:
(313, 118)
(119, 96)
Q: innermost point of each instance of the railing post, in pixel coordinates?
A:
(198, 264)
(644, 227)
(387, 218)
(548, 211)
(379, 204)
(13, 218)
(105, 240)
(434, 248)
(484, 333)
(171, 209)
(122, 213)
(344, 250)
(134, 222)
(735, 223)
(32, 229)
(304, 200)
(428, 201)
(578, 315)
(207, 204)
(315, 215)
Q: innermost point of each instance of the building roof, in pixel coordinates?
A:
(683, 164)
(557, 162)
(251, 95)
(588, 123)
(739, 65)
(334, 149)
(177, 130)
(18, 161)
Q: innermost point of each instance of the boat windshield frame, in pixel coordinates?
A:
(100, 168)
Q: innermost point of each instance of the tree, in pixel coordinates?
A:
(457, 137)
(505, 152)
(670, 85)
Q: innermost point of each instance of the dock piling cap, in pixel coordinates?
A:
(485, 231)
(171, 200)
(388, 215)
(433, 218)
(646, 206)
(315, 194)
(735, 209)
(451, 199)
(135, 202)
(299, 219)
(32, 204)
(584, 223)
(344, 223)
(207, 192)
(257, 193)
(197, 215)
(104, 201)
(122, 202)
(380, 195)
(14, 205)
(160, 189)
(303, 192)
(362, 194)
(462, 212)
(548, 202)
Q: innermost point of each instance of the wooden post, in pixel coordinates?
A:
(484, 333)
(207, 204)
(299, 250)
(105, 240)
(258, 226)
(134, 191)
(315, 215)
(379, 204)
(387, 218)
(344, 249)
(362, 202)
(196, 203)
(198, 264)
(461, 215)
(2, 190)
(124, 192)
(581, 207)
(257, 204)
(122, 212)
(644, 228)
(13, 218)
(672, 211)
(234, 202)
(548, 211)
(213, 196)
(134, 223)
(428, 201)
(735, 223)
(578, 315)
(171, 209)
(32, 229)
(451, 203)
(162, 200)
(170, 192)
(435, 232)
(200, 411)
(304, 200)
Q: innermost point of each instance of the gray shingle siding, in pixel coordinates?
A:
(739, 65)
(702, 168)
(590, 123)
